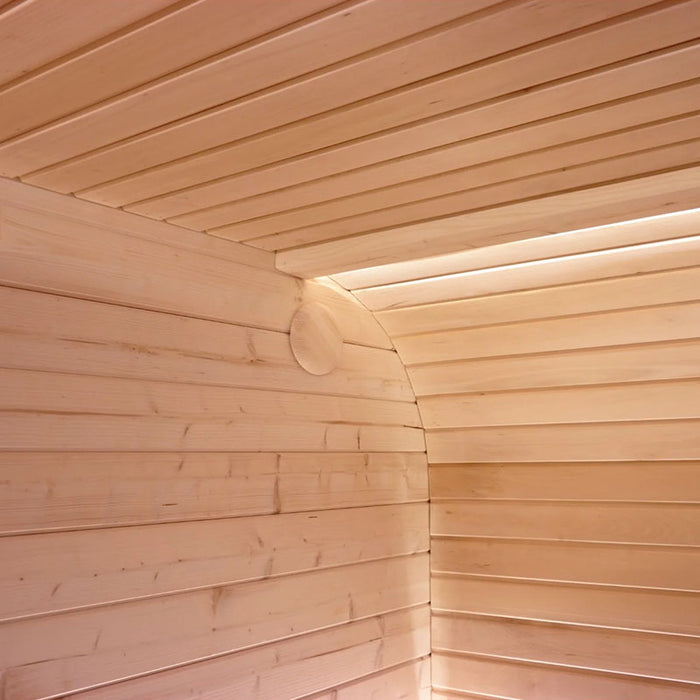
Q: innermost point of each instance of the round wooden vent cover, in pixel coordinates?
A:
(316, 342)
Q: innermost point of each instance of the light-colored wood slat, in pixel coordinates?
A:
(171, 43)
(34, 431)
(434, 162)
(666, 656)
(654, 440)
(74, 650)
(35, 33)
(656, 228)
(646, 401)
(409, 681)
(650, 609)
(515, 71)
(22, 196)
(69, 394)
(591, 296)
(653, 361)
(298, 73)
(582, 268)
(504, 680)
(591, 206)
(45, 252)
(446, 48)
(104, 566)
(627, 326)
(617, 564)
(653, 523)
(603, 159)
(590, 481)
(300, 665)
(309, 482)
(44, 491)
(47, 332)
(62, 255)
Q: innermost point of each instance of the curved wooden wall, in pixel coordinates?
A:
(185, 511)
(561, 401)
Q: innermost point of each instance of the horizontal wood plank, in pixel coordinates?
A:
(303, 89)
(589, 481)
(45, 491)
(115, 642)
(447, 108)
(45, 332)
(629, 199)
(647, 609)
(653, 440)
(634, 153)
(297, 666)
(204, 211)
(54, 393)
(97, 567)
(493, 679)
(153, 51)
(659, 523)
(630, 363)
(585, 268)
(618, 564)
(665, 656)
(647, 230)
(67, 28)
(644, 401)
(410, 681)
(638, 289)
(605, 329)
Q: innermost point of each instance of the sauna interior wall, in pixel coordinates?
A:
(561, 403)
(185, 511)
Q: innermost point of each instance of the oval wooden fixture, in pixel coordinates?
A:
(316, 342)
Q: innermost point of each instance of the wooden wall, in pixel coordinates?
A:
(185, 512)
(561, 401)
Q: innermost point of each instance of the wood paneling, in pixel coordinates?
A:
(184, 508)
(327, 657)
(556, 381)
(342, 134)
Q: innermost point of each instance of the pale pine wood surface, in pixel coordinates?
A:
(182, 503)
(340, 135)
(557, 383)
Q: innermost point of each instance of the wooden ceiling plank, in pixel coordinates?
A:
(450, 47)
(337, 35)
(401, 122)
(589, 206)
(625, 261)
(441, 193)
(549, 132)
(648, 230)
(192, 32)
(564, 178)
(36, 32)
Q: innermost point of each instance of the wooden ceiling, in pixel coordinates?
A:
(342, 135)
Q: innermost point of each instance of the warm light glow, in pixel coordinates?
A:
(411, 268)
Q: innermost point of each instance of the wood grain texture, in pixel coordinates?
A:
(505, 679)
(294, 666)
(137, 564)
(218, 620)
(76, 490)
(118, 564)
(556, 383)
(360, 137)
